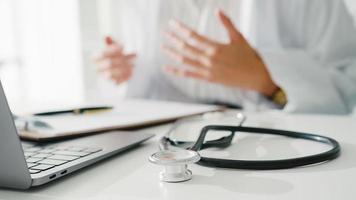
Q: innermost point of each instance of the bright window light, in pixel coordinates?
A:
(40, 50)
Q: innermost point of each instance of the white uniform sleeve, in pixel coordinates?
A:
(321, 76)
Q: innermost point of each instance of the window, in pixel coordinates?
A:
(40, 52)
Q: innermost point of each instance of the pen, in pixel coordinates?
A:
(77, 111)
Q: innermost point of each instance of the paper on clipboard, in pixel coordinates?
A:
(126, 114)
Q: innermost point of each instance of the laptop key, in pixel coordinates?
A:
(60, 148)
(33, 149)
(41, 155)
(63, 157)
(72, 153)
(26, 146)
(46, 151)
(27, 154)
(92, 150)
(73, 148)
(33, 160)
(42, 167)
(29, 165)
(34, 171)
(52, 162)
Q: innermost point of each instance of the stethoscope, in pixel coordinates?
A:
(175, 155)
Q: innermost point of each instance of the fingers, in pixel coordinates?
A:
(106, 64)
(130, 56)
(196, 74)
(119, 75)
(114, 63)
(189, 34)
(109, 53)
(112, 48)
(111, 42)
(234, 34)
(184, 53)
(177, 56)
(117, 70)
(108, 40)
(183, 45)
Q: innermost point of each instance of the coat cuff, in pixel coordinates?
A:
(306, 83)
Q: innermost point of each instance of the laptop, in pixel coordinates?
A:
(27, 164)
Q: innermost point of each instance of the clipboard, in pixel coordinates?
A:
(127, 114)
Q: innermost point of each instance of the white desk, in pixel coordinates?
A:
(130, 176)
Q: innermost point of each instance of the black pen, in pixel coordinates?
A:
(77, 111)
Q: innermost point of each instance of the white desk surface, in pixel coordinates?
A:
(130, 176)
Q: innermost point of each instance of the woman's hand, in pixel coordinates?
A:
(234, 64)
(114, 63)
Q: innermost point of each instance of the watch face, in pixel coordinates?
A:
(173, 157)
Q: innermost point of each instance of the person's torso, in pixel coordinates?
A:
(142, 24)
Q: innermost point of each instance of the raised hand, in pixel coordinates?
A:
(114, 63)
(234, 64)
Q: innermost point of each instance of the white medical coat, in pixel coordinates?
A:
(309, 47)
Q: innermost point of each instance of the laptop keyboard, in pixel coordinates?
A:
(41, 158)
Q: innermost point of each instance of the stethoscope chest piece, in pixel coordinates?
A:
(175, 164)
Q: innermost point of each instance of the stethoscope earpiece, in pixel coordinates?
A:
(175, 164)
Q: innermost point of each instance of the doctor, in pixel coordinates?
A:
(260, 54)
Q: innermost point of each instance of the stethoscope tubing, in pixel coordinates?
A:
(331, 154)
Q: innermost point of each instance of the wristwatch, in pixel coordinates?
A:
(279, 97)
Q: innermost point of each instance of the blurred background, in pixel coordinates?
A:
(47, 46)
